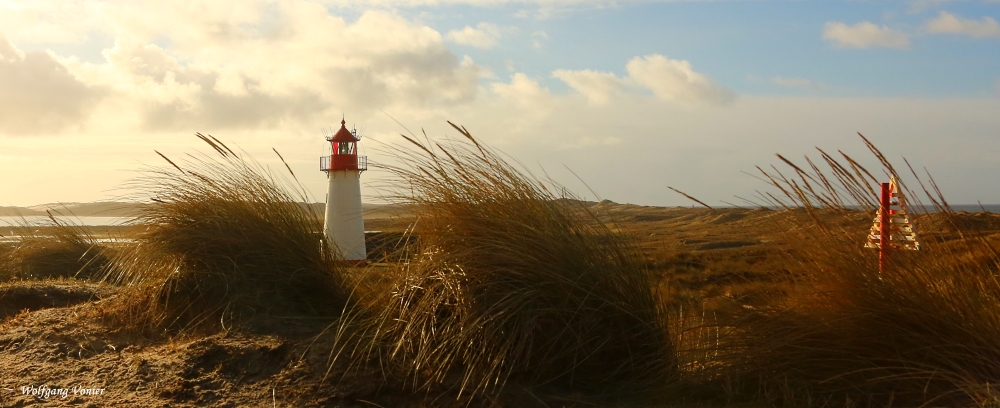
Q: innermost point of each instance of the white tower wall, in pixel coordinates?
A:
(344, 226)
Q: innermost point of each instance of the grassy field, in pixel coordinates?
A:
(491, 290)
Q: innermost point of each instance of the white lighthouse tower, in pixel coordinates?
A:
(344, 227)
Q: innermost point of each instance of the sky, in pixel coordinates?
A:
(614, 99)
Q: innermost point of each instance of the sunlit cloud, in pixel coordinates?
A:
(668, 79)
(485, 35)
(245, 73)
(864, 35)
(671, 79)
(524, 92)
(947, 23)
(598, 87)
(38, 95)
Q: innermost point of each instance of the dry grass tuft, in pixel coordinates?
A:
(225, 241)
(52, 249)
(509, 283)
(924, 332)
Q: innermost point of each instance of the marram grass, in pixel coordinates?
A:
(225, 241)
(923, 332)
(52, 249)
(508, 284)
(505, 285)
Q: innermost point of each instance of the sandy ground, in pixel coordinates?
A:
(67, 357)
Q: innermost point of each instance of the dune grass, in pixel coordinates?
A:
(225, 241)
(504, 284)
(509, 284)
(52, 249)
(926, 331)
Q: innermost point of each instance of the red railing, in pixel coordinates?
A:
(362, 164)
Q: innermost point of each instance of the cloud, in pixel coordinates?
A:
(523, 91)
(38, 94)
(671, 79)
(485, 35)
(668, 79)
(8, 52)
(523, 100)
(799, 83)
(50, 22)
(864, 35)
(597, 86)
(947, 23)
(538, 39)
(261, 67)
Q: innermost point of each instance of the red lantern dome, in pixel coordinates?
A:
(345, 152)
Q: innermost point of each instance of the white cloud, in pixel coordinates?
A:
(39, 95)
(799, 83)
(947, 23)
(671, 79)
(597, 86)
(864, 35)
(523, 102)
(485, 35)
(51, 22)
(8, 52)
(523, 91)
(257, 68)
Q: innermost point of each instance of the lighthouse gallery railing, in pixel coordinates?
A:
(324, 163)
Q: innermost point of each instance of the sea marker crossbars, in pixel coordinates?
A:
(892, 224)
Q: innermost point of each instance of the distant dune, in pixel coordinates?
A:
(113, 209)
(16, 211)
(99, 209)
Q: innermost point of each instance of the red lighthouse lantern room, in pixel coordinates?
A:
(344, 154)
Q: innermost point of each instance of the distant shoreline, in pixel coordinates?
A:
(117, 214)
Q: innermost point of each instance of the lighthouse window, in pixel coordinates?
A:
(345, 148)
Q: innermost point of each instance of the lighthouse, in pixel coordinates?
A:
(344, 227)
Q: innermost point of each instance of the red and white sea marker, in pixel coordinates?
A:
(344, 227)
(892, 225)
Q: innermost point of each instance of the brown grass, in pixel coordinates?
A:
(508, 284)
(52, 249)
(226, 241)
(924, 332)
(503, 290)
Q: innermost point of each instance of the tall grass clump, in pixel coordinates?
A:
(52, 249)
(224, 241)
(923, 332)
(508, 283)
